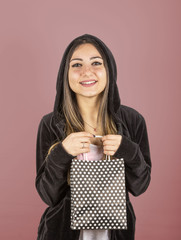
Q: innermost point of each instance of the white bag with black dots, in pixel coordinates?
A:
(98, 194)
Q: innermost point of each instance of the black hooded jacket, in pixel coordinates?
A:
(51, 179)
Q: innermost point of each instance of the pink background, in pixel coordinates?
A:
(145, 39)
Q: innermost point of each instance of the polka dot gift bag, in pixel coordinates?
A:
(98, 194)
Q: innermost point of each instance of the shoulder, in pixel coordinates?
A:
(132, 119)
(45, 122)
(49, 126)
(129, 113)
(46, 119)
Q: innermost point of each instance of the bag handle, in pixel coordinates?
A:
(85, 156)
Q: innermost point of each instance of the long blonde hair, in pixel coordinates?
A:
(70, 109)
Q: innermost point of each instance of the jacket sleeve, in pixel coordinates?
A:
(137, 158)
(51, 170)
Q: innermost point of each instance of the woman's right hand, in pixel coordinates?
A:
(73, 143)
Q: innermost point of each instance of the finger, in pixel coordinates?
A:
(108, 136)
(84, 145)
(110, 148)
(84, 150)
(110, 142)
(109, 152)
(85, 134)
(84, 139)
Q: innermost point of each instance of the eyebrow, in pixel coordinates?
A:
(82, 59)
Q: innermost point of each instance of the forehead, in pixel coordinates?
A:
(86, 49)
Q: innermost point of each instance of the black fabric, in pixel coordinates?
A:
(51, 172)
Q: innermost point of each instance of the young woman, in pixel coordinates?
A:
(87, 103)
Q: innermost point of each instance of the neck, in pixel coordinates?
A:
(89, 109)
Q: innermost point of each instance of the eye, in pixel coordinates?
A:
(76, 65)
(79, 65)
(97, 63)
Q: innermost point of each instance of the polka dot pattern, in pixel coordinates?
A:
(98, 194)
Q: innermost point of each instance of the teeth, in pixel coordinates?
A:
(88, 82)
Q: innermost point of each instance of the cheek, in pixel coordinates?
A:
(102, 74)
(73, 75)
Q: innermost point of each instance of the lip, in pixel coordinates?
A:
(88, 85)
(88, 80)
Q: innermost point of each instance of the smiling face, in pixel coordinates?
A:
(86, 64)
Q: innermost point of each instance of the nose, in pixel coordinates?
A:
(87, 69)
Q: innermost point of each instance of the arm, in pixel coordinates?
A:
(137, 159)
(51, 179)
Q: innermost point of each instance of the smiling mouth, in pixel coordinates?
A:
(88, 83)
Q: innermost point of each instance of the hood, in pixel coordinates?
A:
(113, 95)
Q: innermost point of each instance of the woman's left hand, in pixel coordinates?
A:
(111, 143)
